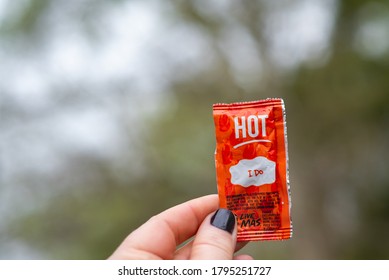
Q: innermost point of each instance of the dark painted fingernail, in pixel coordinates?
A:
(224, 219)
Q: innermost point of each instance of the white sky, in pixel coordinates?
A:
(2, 9)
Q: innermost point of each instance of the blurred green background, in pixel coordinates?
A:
(106, 117)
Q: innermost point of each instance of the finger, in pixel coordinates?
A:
(243, 257)
(184, 252)
(159, 236)
(216, 237)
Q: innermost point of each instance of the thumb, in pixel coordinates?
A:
(216, 237)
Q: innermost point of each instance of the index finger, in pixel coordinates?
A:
(160, 235)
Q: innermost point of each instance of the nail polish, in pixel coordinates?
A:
(224, 219)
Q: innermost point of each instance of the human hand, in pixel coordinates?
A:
(214, 234)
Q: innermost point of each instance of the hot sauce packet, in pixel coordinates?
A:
(252, 167)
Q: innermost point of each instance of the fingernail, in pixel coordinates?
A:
(224, 219)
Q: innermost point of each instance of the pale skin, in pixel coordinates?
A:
(161, 236)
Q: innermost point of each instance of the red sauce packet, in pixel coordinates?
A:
(252, 167)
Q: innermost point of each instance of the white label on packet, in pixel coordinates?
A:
(253, 172)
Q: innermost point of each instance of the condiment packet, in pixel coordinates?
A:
(251, 160)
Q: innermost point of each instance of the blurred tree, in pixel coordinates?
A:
(341, 107)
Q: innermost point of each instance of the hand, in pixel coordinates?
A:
(214, 234)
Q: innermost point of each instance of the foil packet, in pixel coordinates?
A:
(251, 161)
